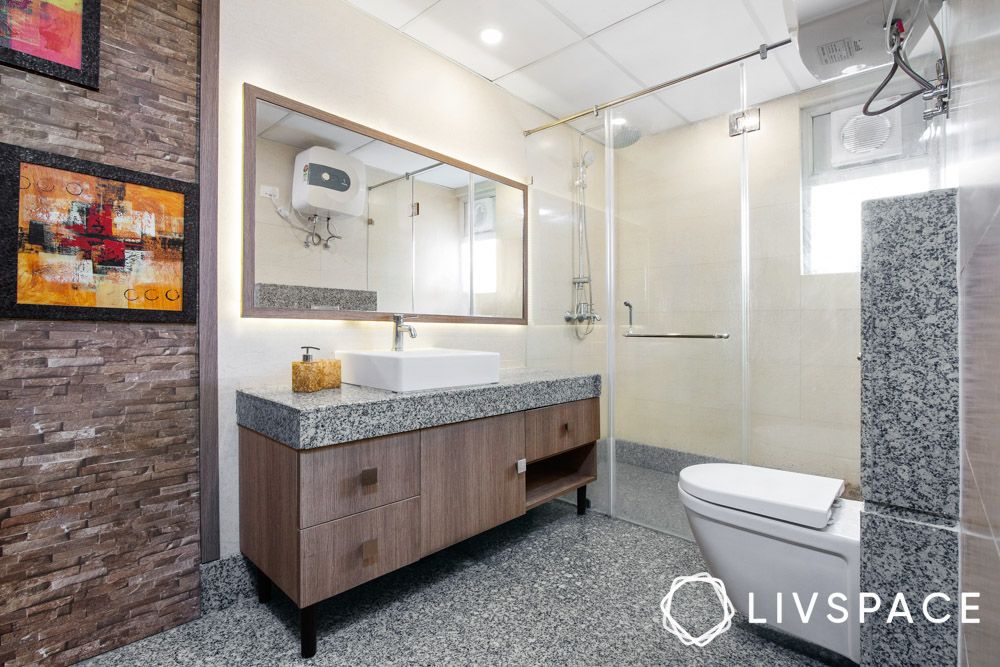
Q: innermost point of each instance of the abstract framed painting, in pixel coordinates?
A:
(57, 38)
(86, 241)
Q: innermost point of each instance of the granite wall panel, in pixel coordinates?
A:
(909, 353)
(911, 456)
(902, 553)
(99, 542)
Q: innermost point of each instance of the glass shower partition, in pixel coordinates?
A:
(678, 285)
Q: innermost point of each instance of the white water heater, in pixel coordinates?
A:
(839, 37)
(328, 182)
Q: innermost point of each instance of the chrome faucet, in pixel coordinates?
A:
(628, 304)
(398, 327)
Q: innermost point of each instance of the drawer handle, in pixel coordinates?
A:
(565, 427)
(369, 476)
(369, 552)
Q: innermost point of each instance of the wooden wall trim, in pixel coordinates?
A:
(208, 320)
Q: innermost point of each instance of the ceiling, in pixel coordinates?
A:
(567, 55)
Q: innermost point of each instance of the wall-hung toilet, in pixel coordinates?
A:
(774, 532)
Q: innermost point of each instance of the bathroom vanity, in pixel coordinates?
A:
(342, 486)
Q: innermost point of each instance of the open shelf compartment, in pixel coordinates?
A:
(553, 476)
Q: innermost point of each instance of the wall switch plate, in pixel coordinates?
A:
(269, 191)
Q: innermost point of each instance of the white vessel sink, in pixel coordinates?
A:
(412, 370)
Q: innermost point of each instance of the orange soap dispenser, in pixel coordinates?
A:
(307, 375)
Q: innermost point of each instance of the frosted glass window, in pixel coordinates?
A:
(832, 238)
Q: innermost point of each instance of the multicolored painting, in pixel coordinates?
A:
(58, 38)
(89, 241)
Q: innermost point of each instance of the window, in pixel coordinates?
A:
(849, 159)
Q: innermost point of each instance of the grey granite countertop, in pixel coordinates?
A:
(333, 416)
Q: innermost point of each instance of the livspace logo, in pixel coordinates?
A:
(803, 608)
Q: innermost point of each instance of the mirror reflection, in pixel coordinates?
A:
(348, 223)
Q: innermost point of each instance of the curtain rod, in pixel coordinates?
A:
(762, 52)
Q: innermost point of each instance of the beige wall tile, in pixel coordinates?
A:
(832, 394)
(841, 291)
(775, 283)
(774, 389)
(831, 337)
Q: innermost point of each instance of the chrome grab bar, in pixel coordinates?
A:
(632, 334)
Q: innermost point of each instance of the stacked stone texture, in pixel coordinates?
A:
(99, 542)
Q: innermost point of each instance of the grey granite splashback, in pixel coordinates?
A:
(351, 413)
(909, 343)
(902, 553)
(299, 297)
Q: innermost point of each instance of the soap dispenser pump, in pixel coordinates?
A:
(309, 375)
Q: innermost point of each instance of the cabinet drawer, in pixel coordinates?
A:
(556, 428)
(346, 479)
(347, 552)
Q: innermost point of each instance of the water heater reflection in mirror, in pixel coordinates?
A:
(327, 182)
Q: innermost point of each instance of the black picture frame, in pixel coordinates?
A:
(89, 74)
(11, 158)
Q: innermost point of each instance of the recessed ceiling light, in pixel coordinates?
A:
(619, 121)
(491, 36)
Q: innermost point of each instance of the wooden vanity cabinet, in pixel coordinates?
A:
(468, 478)
(319, 521)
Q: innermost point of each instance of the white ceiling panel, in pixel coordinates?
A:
(590, 17)
(452, 28)
(396, 13)
(391, 158)
(771, 14)
(570, 80)
(677, 37)
(295, 129)
(766, 80)
(446, 176)
(706, 96)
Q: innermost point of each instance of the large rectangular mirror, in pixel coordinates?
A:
(342, 221)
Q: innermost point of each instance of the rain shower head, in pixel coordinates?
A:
(623, 136)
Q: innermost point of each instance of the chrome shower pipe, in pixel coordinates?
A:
(761, 52)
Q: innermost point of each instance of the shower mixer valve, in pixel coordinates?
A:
(583, 314)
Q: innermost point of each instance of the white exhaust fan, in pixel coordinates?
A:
(857, 139)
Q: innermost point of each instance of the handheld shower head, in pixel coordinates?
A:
(587, 159)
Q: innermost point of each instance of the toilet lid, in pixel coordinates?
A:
(779, 494)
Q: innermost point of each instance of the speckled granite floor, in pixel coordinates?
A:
(644, 496)
(549, 588)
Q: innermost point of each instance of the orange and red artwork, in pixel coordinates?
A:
(58, 38)
(91, 242)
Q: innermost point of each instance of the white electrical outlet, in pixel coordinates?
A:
(269, 191)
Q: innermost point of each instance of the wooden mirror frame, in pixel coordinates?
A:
(253, 94)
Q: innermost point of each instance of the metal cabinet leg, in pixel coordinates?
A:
(581, 500)
(263, 587)
(307, 630)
